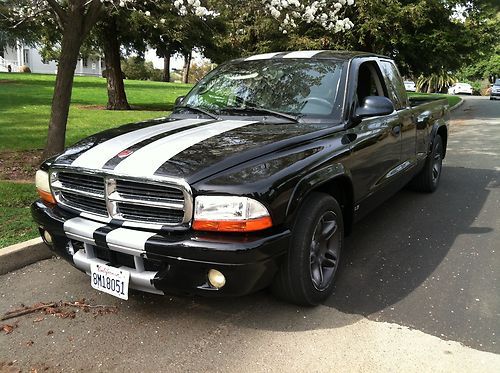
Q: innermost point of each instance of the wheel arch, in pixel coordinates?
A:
(333, 180)
(440, 128)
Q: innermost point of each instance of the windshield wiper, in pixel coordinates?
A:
(258, 109)
(198, 110)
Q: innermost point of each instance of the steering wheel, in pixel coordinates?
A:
(321, 101)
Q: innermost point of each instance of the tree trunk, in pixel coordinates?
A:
(117, 98)
(187, 66)
(166, 66)
(61, 99)
(76, 23)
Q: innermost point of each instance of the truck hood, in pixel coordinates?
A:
(191, 149)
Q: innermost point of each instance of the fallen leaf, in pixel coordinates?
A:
(38, 319)
(29, 343)
(50, 332)
(8, 328)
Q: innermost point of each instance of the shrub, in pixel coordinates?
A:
(138, 69)
(157, 75)
(436, 82)
(24, 69)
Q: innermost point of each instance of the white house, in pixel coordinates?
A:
(23, 55)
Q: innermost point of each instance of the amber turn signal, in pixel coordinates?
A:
(46, 196)
(234, 225)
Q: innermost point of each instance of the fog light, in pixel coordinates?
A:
(216, 278)
(47, 237)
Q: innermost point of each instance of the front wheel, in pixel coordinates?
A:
(307, 275)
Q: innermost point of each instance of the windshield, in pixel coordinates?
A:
(296, 87)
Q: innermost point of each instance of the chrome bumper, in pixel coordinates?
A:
(140, 279)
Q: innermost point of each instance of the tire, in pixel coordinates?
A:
(428, 179)
(307, 275)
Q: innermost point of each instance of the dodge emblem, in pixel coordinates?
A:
(125, 153)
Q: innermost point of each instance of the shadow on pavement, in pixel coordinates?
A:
(396, 268)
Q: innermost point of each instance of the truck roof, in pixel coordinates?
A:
(311, 54)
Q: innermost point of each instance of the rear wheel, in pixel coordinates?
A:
(428, 179)
(307, 275)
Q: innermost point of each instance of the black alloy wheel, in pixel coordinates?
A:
(325, 250)
(438, 163)
(307, 275)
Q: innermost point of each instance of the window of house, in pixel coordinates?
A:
(26, 56)
(85, 62)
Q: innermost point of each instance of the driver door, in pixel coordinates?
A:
(376, 145)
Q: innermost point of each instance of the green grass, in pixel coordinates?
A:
(16, 224)
(25, 106)
(25, 109)
(452, 100)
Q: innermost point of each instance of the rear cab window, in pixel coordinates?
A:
(395, 85)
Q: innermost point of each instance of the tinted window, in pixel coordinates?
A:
(397, 90)
(298, 87)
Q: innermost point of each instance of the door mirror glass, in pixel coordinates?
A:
(178, 101)
(373, 106)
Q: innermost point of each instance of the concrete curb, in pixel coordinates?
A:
(23, 254)
(456, 106)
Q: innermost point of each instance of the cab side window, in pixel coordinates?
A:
(397, 91)
(369, 82)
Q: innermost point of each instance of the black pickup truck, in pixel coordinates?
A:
(253, 181)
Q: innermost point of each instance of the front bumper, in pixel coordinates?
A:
(495, 94)
(174, 263)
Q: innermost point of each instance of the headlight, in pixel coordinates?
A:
(43, 186)
(230, 214)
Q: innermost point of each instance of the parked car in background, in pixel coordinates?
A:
(460, 88)
(495, 90)
(410, 86)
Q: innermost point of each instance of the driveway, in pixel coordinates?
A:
(418, 291)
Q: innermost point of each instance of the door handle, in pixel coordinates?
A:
(396, 130)
(348, 138)
(423, 121)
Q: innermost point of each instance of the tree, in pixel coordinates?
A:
(117, 97)
(423, 36)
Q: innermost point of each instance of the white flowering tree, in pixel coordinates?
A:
(76, 18)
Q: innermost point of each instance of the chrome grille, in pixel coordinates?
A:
(153, 203)
(157, 214)
(133, 189)
(84, 203)
(89, 183)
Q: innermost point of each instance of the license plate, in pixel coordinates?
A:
(110, 280)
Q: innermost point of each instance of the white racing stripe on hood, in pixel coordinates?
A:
(145, 161)
(96, 157)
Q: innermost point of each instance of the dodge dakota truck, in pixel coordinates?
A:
(253, 181)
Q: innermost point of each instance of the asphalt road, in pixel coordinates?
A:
(418, 290)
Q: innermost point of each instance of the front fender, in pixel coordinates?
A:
(314, 181)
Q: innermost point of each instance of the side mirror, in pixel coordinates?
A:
(178, 101)
(373, 106)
